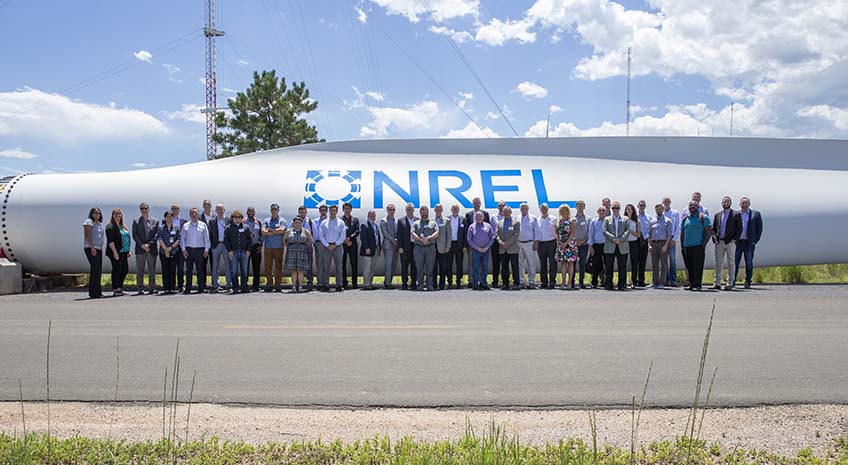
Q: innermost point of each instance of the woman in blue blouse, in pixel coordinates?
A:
(169, 250)
(118, 239)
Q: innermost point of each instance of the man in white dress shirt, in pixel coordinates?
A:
(332, 237)
(528, 244)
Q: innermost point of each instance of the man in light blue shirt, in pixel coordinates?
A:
(596, 247)
(333, 235)
(642, 258)
(674, 216)
(320, 250)
(528, 244)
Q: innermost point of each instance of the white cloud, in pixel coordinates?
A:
(188, 112)
(471, 131)
(140, 165)
(457, 36)
(360, 15)
(466, 95)
(143, 55)
(440, 10)
(837, 117)
(172, 71)
(498, 32)
(243, 62)
(31, 112)
(531, 90)
(374, 95)
(18, 153)
(492, 115)
(414, 117)
(554, 109)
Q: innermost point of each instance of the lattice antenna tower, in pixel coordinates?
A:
(211, 34)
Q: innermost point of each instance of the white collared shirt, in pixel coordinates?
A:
(454, 220)
(546, 228)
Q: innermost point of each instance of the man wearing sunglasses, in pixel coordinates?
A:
(144, 232)
(616, 247)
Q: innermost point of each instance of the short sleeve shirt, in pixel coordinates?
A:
(275, 241)
(96, 234)
(694, 229)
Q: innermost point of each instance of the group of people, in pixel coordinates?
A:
(430, 246)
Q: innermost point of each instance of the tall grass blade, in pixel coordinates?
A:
(190, 398)
(690, 434)
(23, 415)
(49, 443)
(117, 381)
(164, 398)
(635, 432)
(706, 402)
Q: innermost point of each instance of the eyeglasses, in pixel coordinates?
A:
(143, 208)
(273, 209)
(616, 208)
(238, 217)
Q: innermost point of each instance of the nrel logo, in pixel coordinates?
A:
(332, 188)
(337, 187)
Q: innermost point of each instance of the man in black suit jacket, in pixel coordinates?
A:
(370, 249)
(144, 233)
(218, 251)
(752, 232)
(351, 249)
(727, 228)
(405, 245)
(470, 218)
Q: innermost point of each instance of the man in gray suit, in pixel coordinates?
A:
(616, 247)
(443, 246)
(144, 233)
(388, 229)
(507, 238)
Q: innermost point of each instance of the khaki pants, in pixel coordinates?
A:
(274, 267)
(722, 250)
(369, 265)
(659, 262)
(526, 263)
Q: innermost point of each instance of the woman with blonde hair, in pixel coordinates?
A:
(119, 242)
(566, 253)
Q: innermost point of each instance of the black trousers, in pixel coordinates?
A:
(621, 259)
(547, 262)
(636, 259)
(169, 272)
(255, 261)
(195, 262)
(95, 272)
(351, 252)
(693, 257)
(643, 261)
(442, 268)
(455, 263)
(509, 260)
(180, 269)
(597, 263)
(582, 263)
(407, 268)
(496, 262)
(120, 268)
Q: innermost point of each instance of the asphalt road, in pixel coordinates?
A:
(774, 345)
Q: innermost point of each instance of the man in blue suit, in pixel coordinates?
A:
(752, 231)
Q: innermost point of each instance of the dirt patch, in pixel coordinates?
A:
(780, 429)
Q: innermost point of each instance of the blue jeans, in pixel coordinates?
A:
(672, 264)
(747, 248)
(238, 267)
(479, 267)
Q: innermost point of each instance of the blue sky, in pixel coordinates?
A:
(781, 64)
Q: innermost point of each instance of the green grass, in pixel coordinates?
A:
(494, 447)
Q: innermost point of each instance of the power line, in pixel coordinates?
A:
(470, 68)
(113, 71)
(432, 79)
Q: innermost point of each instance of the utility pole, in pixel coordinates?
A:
(548, 126)
(731, 119)
(211, 80)
(628, 91)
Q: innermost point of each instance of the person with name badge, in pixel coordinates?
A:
(660, 235)
(119, 242)
(168, 238)
(567, 253)
(298, 242)
(93, 248)
(272, 232)
(255, 260)
(370, 249)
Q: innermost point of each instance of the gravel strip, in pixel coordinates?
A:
(778, 429)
